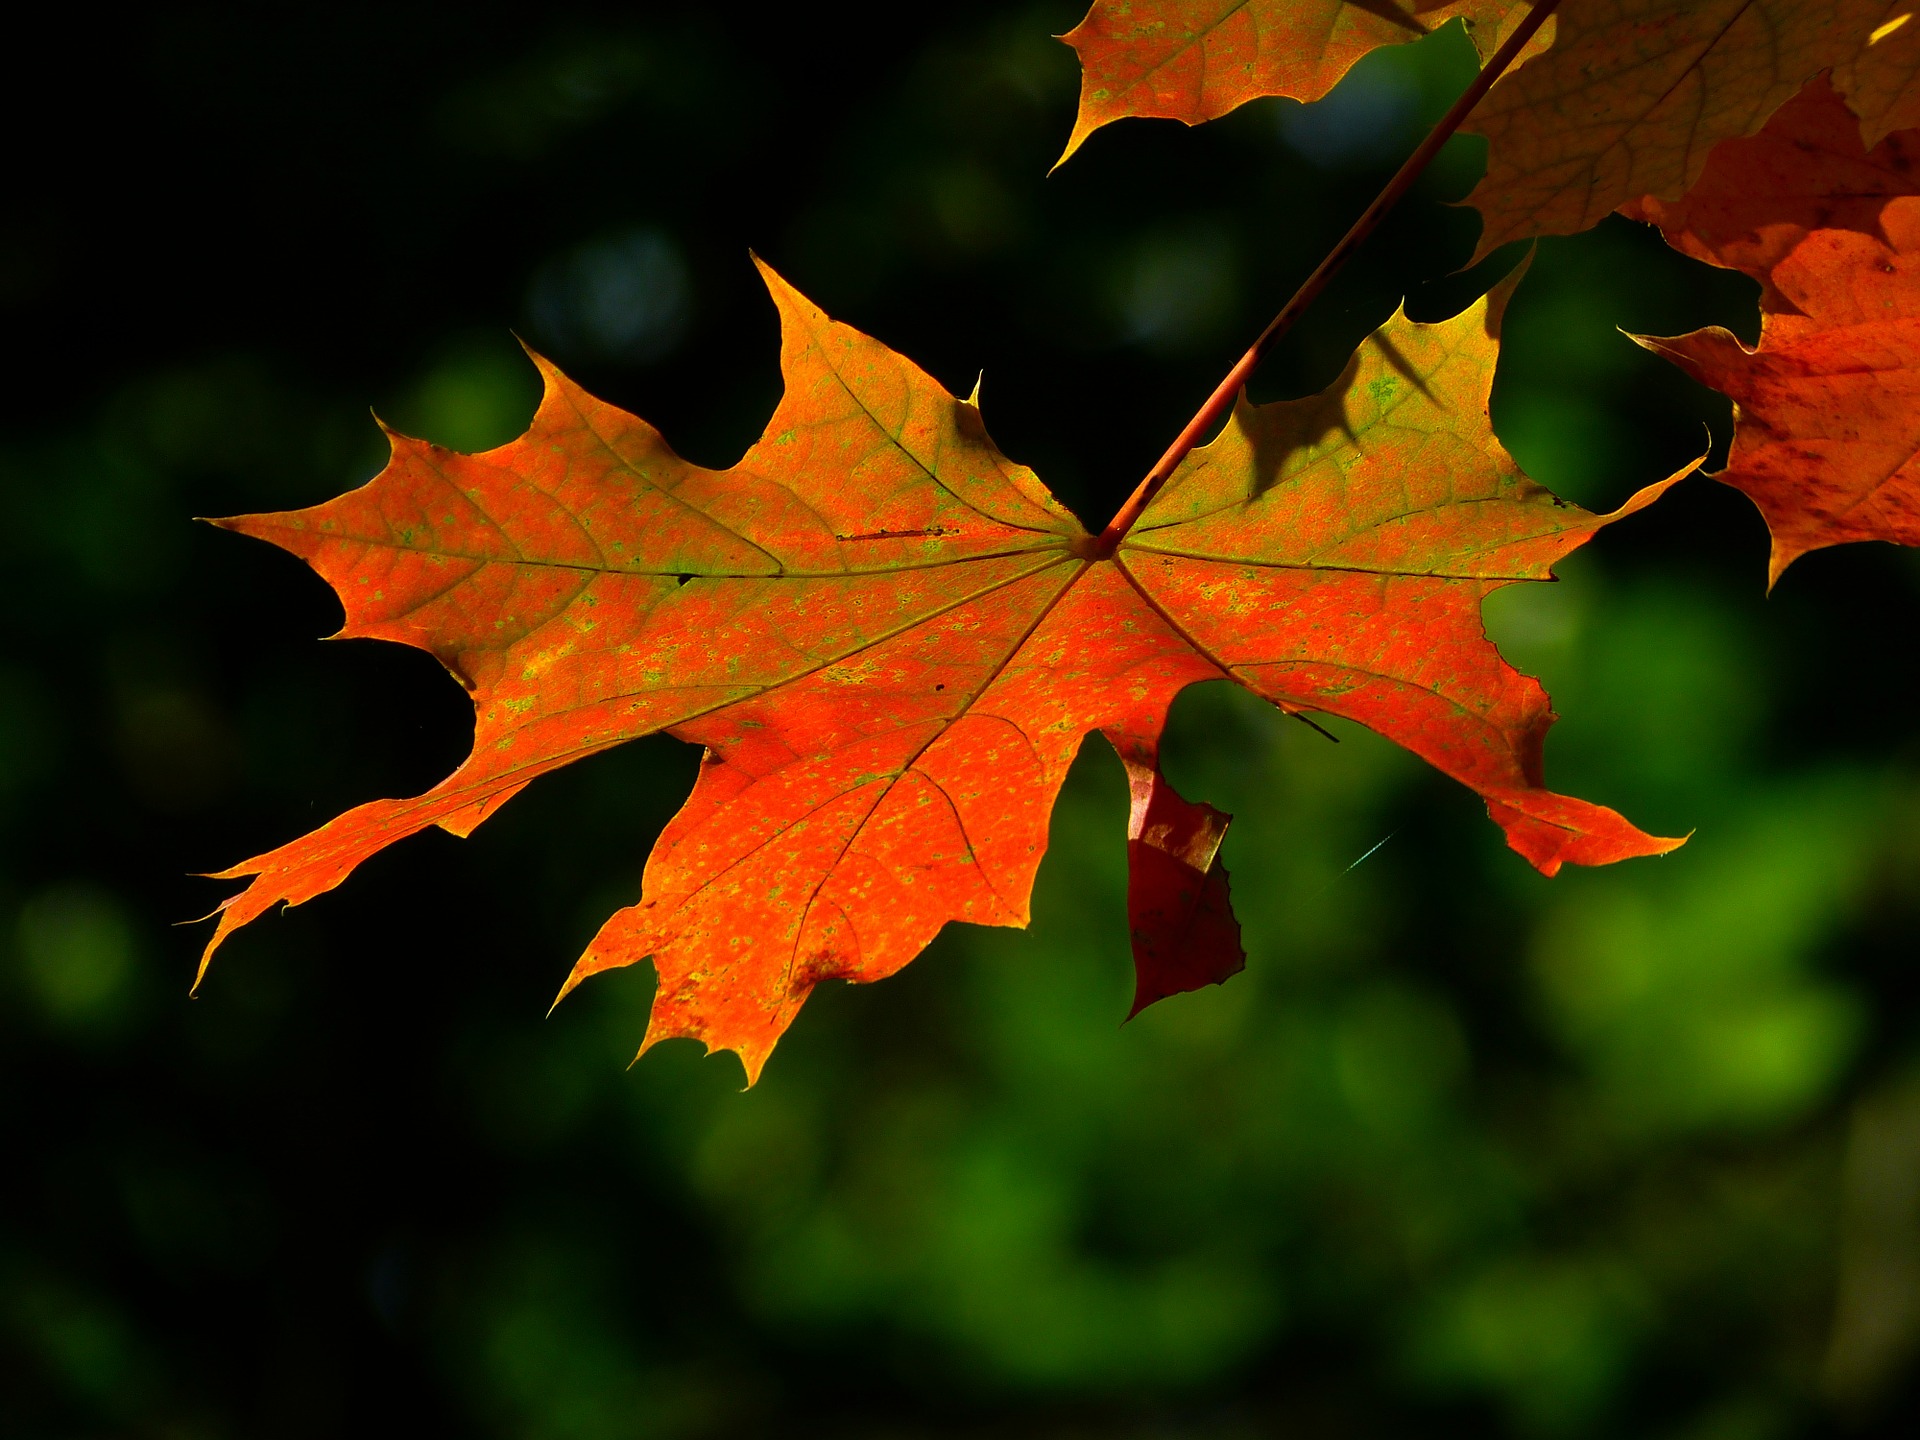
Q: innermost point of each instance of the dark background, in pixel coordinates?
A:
(1464, 1151)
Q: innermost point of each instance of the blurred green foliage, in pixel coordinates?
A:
(1463, 1151)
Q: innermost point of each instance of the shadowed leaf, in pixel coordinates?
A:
(1634, 94)
(1761, 196)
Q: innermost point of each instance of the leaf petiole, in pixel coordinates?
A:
(1221, 401)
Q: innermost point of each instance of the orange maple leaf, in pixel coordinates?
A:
(1827, 408)
(891, 641)
(1195, 60)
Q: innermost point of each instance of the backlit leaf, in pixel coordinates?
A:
(891, 641)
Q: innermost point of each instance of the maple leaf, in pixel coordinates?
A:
(1634, 94)
(891, 641)
(1807, 170)
(1827, 407)
(1195, 60)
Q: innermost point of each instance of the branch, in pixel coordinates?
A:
(1221, 401)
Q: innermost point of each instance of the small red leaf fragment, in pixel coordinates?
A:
(1179, 910)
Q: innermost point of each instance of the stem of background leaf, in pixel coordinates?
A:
(1222, 399)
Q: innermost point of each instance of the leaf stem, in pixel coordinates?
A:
(1222, 399)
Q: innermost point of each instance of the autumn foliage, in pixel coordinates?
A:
(891, 640)
(1829, 403)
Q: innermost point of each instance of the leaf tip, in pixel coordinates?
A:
(546, 367)
(251, 526)
(225, 928)
(794, 307)
(1647, 494)
(1500, 294)
(752, 1069)
(572, 982)
(1082, 128)
(1782, 554)
(771, 277)
(397, 440)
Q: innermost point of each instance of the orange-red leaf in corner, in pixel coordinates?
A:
(891, 641)
(1195, 60)
(1760, 196)
(1827, 409)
